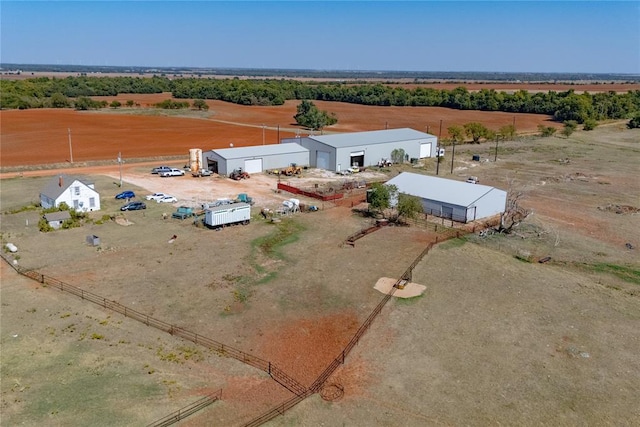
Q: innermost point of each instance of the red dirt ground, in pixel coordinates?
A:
(34, 137)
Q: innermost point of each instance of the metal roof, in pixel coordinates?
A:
(57, 216)
(372, 137)
(259, 150)
(440, 189)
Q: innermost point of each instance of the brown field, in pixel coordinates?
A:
(33, 137)
(494, 340)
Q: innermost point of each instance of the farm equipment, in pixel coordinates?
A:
(244, 198)
(239, 174)
(291, 170)
(183, 212)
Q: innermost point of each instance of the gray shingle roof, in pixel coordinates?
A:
(371, 137)
(440, 189)
(57, 216)
(53, 189)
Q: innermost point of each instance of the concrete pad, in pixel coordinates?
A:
(385, 284)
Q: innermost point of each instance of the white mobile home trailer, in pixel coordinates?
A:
(235, 213)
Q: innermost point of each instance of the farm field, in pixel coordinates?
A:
(35, 137)
(494, 339)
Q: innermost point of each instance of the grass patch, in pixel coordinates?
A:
(453, 243)
(285, 232)
(626, 273)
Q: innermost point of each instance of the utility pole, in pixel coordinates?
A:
(453, 154)
(495, 158)
(263, 127)
(438, 149)
(120, 164)
(70, 149)
(278, 134)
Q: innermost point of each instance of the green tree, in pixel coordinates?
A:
(456, 133)
(200, 104)
(309, 116)
(589, 124)
(476, 131)
(634, 123)
(408, 206)
(508, 132)
(381, 196)
(130, 103)
(115, 104)
(397, 155)
(570, 126)
(58, 100)
(546, 130)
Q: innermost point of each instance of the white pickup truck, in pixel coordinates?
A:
(172, 172)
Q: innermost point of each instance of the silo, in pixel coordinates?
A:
(195, 159)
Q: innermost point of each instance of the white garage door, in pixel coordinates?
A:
(323, 160)
(425, 150)
(253, 165)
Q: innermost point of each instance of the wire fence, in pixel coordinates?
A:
(190, 409)
(301, 392)
(221, 349)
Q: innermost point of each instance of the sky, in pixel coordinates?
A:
(499, 36)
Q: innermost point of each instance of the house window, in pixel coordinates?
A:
(92, 202)
(76, 204)
(77, 190)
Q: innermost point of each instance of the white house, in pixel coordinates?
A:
(77, 194)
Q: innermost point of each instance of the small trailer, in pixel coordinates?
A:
(221, 216)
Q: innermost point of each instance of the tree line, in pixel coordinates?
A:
(563, 105)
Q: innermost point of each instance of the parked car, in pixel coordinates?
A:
(155, 196)
(183, 212)
(126, 195)
(172, 172)
(473, 180)
(160, 169)
(133, 206)
(167, 199)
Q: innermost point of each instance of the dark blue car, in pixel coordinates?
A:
(126, 195)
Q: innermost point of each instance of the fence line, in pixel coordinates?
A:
(223, 350)
(184, 412)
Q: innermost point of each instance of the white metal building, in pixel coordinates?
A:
(456, 200)
(340, 151)
(255, 159)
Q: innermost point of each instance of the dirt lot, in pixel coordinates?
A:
(494, 340)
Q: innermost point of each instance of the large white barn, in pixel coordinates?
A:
(340, 151)
(255, 159)
(455, 200)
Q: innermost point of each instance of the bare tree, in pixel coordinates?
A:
(514, 214)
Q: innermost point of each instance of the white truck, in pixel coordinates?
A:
(221, 216)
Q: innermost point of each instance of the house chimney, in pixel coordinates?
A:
(60, 181)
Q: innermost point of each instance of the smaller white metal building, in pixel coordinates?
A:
(340, 151)
(255, 159)
(455, 200)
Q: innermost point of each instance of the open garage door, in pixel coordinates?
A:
(253, 166)
(323, 158)
(357, 158)
(425, 150)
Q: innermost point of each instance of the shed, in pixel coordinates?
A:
(78, 194)
(255, 159)
(455, 200)
(56, 219)
(341, 151)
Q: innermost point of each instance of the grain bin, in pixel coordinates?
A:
(195, 159)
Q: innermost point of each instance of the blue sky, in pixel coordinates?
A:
(503, 36)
